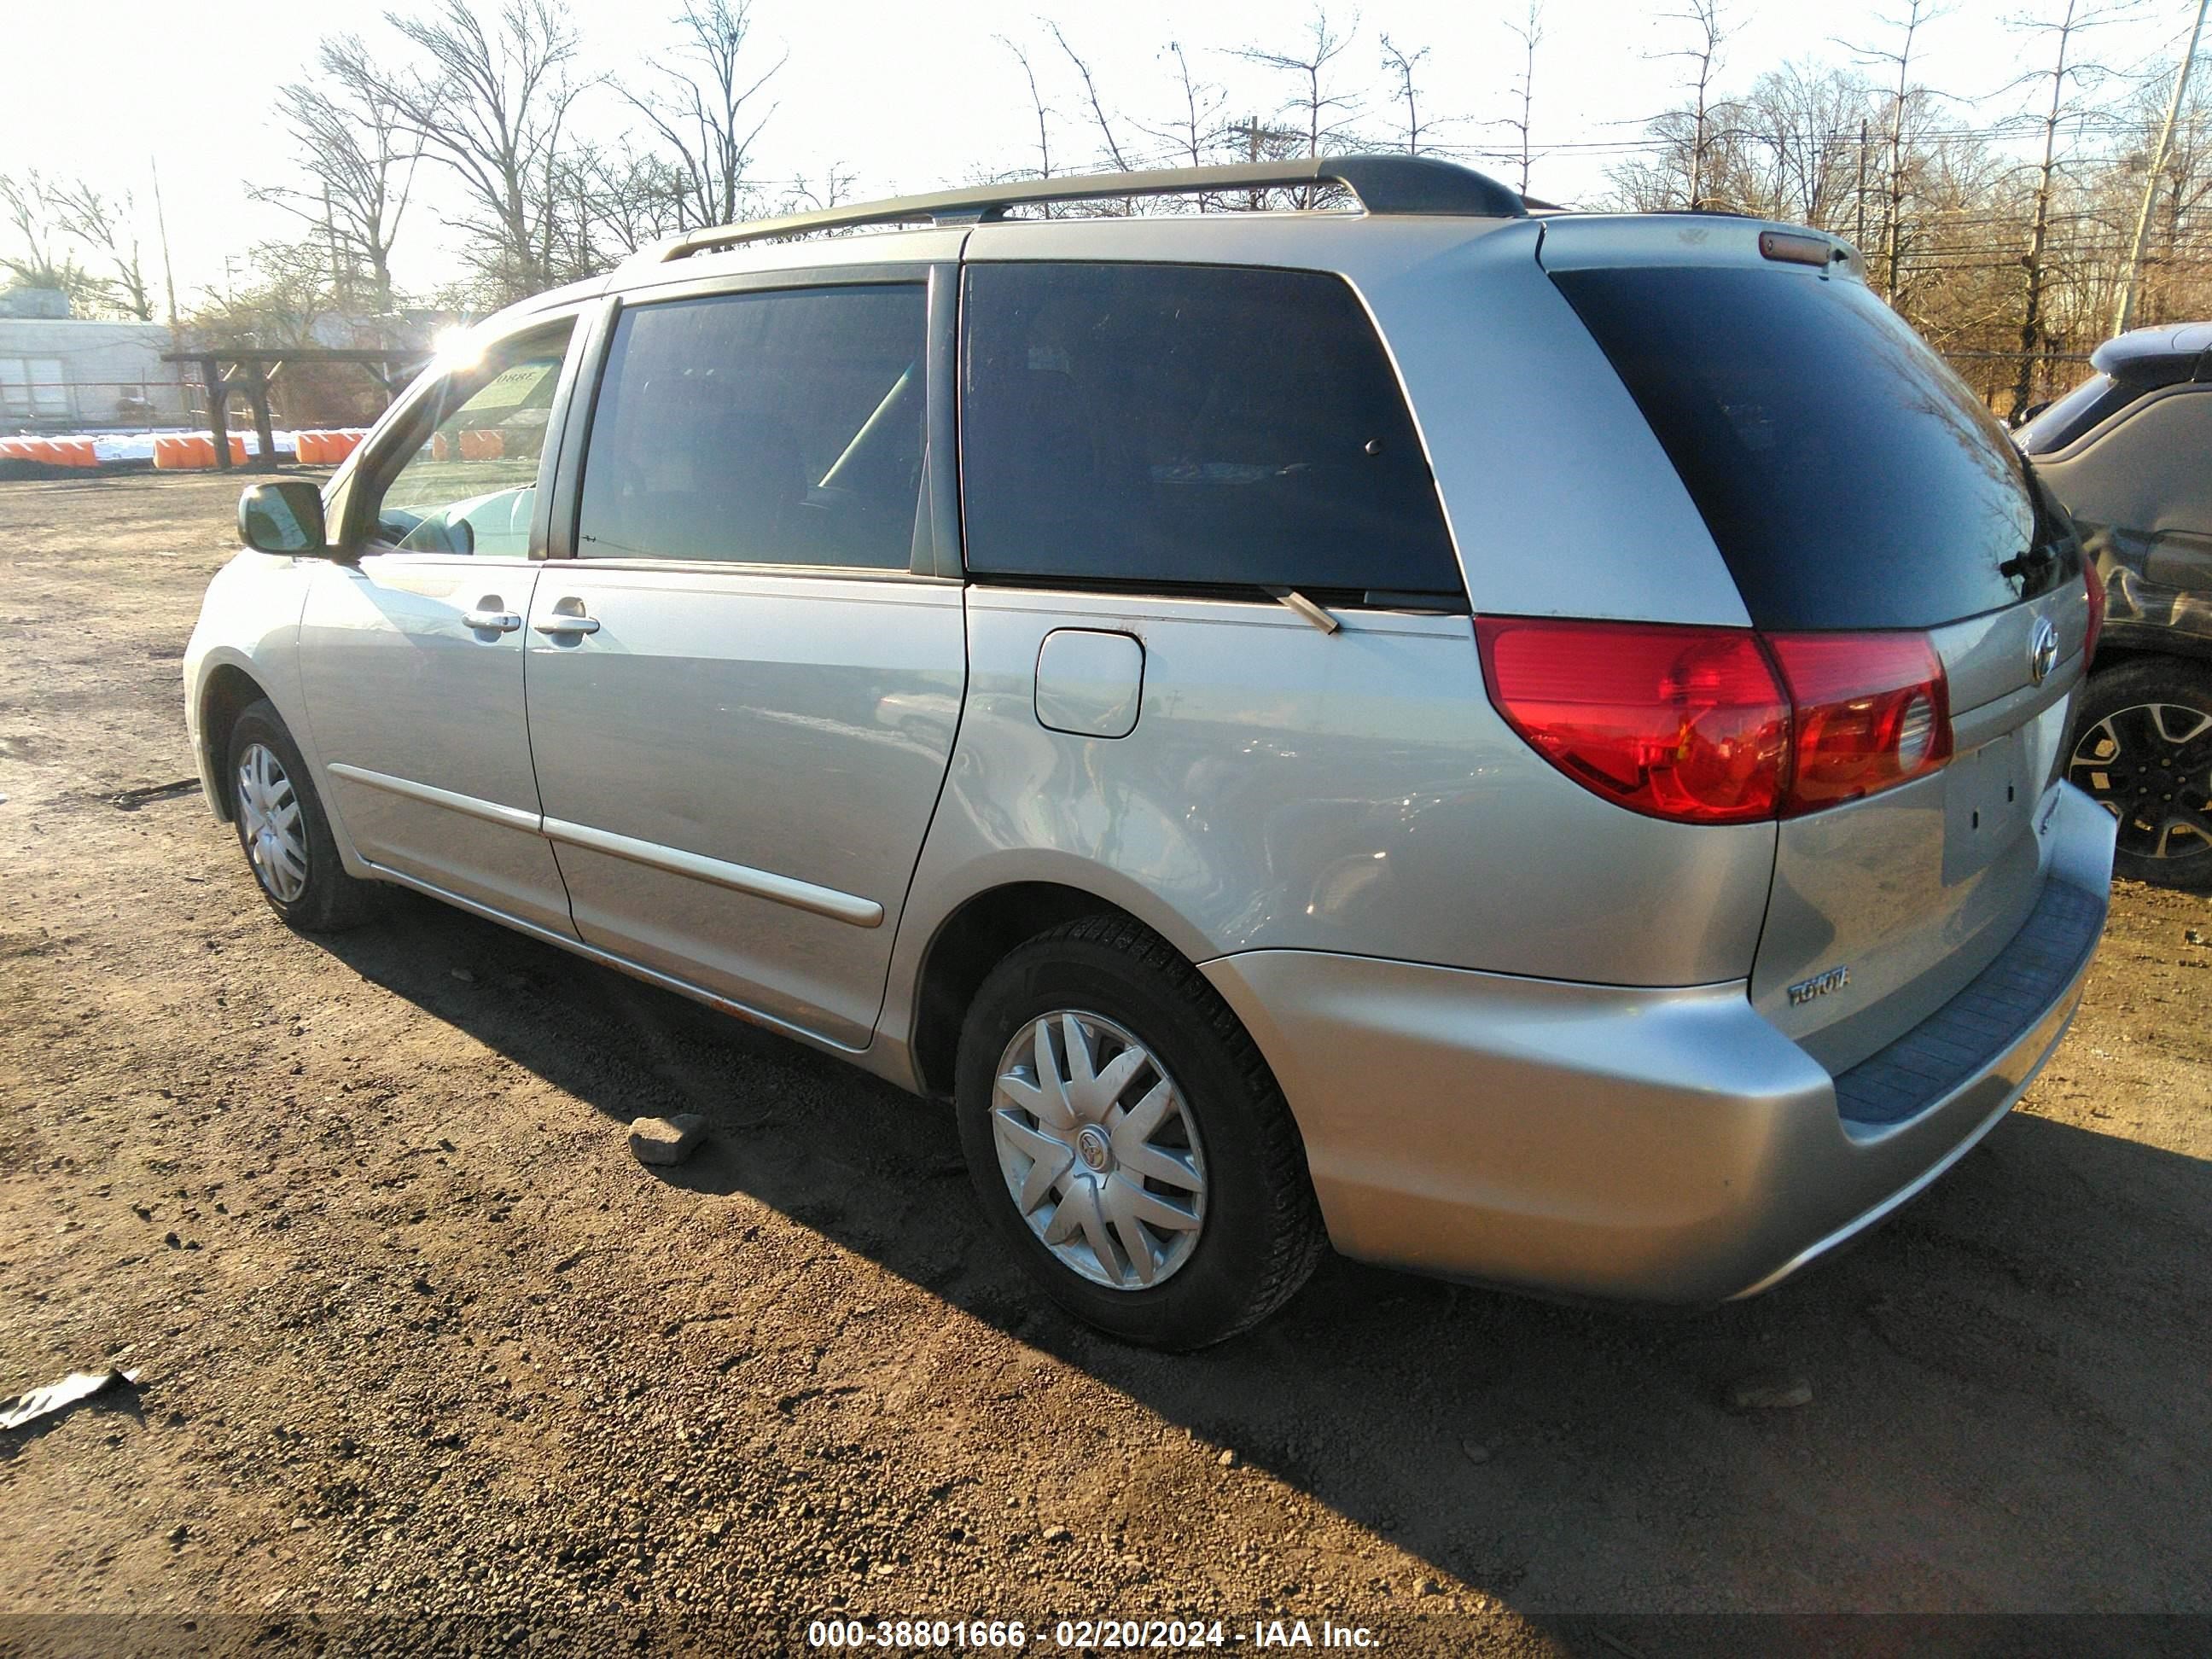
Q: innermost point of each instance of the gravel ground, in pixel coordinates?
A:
(416, 1336)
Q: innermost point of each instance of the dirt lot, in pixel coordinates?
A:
(418, 1336)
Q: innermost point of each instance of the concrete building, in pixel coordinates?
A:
(63, 374)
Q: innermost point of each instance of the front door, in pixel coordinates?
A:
(412, 657)
(741, 697)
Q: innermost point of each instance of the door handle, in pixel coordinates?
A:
(562, 625)
(492, 622)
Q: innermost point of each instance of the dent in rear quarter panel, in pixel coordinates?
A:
(1288, 789)
(250, 620)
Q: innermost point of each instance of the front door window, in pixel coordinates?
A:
(471, 487)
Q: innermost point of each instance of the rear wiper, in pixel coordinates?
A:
(2029, 560)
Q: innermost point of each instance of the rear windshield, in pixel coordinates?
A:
(1850, 479)
(2064, 422)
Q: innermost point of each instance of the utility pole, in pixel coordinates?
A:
(1252, 132)
(168, 274)
(2124, 314)
(1858, 240)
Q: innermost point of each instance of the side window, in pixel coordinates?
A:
(1189, 425)
(33, 385)
(781, 427)
(473, 484)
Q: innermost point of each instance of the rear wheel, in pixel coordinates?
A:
(1128, 1140)
(2142, 749)
(282, 827)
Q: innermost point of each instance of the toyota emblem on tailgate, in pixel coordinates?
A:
(2042, 650)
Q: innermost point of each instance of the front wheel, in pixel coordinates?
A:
(283, 829)
(1129, 1141)
(2142, 749)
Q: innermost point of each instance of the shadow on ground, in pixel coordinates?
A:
(2032, 1329)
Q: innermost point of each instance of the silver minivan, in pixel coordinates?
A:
(1521, 747)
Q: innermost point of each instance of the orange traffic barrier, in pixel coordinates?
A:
(189, 451)
(328, 448)
(16, 449)
(79, 451)
(482, 445)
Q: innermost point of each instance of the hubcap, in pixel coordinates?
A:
(269, 823)
(1097, 1150)
(2150, 766)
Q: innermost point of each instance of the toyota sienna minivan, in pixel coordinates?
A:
(1525, 748)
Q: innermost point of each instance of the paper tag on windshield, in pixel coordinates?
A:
(513, 387)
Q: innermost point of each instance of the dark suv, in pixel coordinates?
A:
(2130, 452)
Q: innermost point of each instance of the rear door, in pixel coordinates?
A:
(1852, 483)
(744, 682)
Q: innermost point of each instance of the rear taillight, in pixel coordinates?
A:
(1682, 723)
(1869, 711)
(2097, 599)
(1719, 724)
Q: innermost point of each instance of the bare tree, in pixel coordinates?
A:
(1791, 149)
(2064, 34)
(1113, 148)
(2181, 127)
(1903, 98)
(616, 200)
(492, 108)
(804, 195)
(1531, 33)
(38, 213)
(107, 228)
(2123, 315)
(286, 292)
(1195, 137)
(1703, 56)
(1043, 113)
(353, 142)
(707, 110)
(1400, 65)
(1322, 108)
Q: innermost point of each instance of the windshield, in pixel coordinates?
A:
(2072, 414)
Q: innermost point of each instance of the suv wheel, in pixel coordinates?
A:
(1128, 1140)
(2143, 748)
(284, 831)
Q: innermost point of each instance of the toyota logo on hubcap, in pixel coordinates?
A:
(2042, 650)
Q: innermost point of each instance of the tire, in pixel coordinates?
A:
(2141, 746)
(303, 879)
(1259, 1231)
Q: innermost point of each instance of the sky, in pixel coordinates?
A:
(911, 97)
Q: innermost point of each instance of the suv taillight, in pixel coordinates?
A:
(1869, 711)
(1682, 723)
(1719, 724)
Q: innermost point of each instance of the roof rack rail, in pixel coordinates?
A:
(1383, 184)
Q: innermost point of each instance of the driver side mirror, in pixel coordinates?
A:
(284, 515)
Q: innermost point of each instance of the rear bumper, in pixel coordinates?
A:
(1660, 1145)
